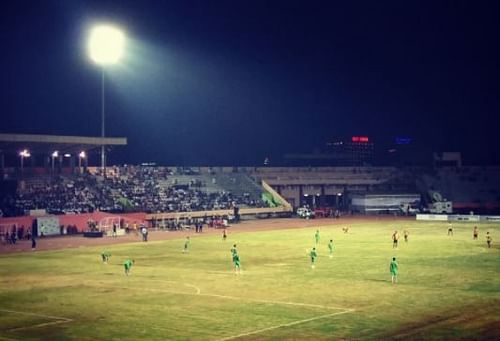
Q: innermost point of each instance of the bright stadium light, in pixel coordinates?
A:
(23, 153)
(55, 154)
(106, 44)
(81, 156)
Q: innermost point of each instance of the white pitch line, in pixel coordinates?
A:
(275, 302)
(198, 293)
(198, 290)
(40, 325)
(60, 319)
(285, 325)
(35, 314)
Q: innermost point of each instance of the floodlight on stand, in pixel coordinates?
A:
(55, 154)
(105, 46)
(23, 153)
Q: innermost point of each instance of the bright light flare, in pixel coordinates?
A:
(24, 153)
(106, 44)
(82, 155)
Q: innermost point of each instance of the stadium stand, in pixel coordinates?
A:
(469, 188)
(152, 189)
(131, 189)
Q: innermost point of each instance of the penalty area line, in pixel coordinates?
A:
(258, 331)
(199, 293)
(344, 310)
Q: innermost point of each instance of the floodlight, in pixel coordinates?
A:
(106, 44)
(67, 155)
(55, 153)
(24, 153)
(82, 154)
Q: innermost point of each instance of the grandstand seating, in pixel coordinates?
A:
(171, 189)
(133, 189)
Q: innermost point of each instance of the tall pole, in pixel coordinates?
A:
(103, 126)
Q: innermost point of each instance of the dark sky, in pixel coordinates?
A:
(230, 82)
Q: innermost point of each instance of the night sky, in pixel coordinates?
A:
(231, 82)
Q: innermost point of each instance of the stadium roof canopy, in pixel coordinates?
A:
(47, 144)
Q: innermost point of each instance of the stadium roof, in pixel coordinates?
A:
(49, 143)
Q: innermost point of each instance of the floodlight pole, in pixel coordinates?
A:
(103, 126)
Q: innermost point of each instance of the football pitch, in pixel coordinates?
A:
(448, 287)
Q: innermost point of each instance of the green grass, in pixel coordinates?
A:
(448, 288)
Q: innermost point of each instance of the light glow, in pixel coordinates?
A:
(106, 44)
(24, 153)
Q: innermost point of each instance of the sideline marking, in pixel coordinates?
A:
(60, 320)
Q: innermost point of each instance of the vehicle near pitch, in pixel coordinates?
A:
(305, 213)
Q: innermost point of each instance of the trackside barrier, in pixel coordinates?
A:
(456, 217)
(490, 218)
(432, 217)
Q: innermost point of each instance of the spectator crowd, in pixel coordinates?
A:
(124, 189)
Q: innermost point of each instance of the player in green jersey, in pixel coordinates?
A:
(316, 237)
(128, 265)
(313, 254)
(330, 247)
(105, 256)
(393, 269)
(187, 243)
(236, 259)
